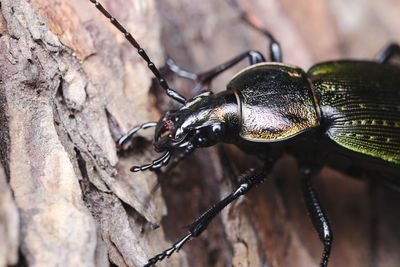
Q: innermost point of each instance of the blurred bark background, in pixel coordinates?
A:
(70, 85)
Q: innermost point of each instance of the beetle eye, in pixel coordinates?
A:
(217, 131)
(216, 128)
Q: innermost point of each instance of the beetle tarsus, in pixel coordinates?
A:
(123, 139)
(168, 252)
(172, 66)
(388, 53)
(317, 215)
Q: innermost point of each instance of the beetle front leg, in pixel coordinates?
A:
(317, 216)
(254, 177)
(126, 137)
(388, 53)
(205, 78)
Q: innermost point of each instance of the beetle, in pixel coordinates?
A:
(342, 113)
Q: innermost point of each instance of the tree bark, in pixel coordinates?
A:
(71, 85)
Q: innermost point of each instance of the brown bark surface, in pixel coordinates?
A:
(70, 85)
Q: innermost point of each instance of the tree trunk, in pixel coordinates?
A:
(71, 85)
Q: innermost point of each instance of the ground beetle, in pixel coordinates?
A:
(337, 110)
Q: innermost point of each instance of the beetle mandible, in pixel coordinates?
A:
(344, 107)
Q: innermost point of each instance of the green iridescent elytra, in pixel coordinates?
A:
(359, 102)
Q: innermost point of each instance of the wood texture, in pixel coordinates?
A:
(70, 85)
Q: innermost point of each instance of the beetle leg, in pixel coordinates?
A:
(123, 139)
(178, 71)
(205, 78)
(317, 216)
(254, 177)
(253, 56)
(389, 51)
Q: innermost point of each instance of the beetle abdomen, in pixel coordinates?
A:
(275, 101)
(360, 106)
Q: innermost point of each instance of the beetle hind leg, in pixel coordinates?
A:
(252, 178)
(318, 216)
(388, 53)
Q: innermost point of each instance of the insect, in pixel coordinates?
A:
(343, 113)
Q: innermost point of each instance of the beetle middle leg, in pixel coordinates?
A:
(317, 215)
(388, 53)
(252, 178)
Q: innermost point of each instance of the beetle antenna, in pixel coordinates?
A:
(254, 22)
(161, 80)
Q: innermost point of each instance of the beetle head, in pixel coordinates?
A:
(203, 121)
